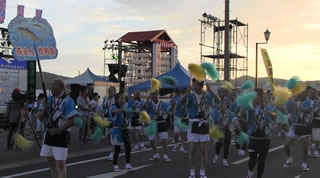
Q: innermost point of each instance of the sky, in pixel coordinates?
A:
(81, 27)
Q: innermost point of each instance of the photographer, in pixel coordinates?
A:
(14, 109)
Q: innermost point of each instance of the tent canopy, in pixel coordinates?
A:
(86, 78)
(178, 72)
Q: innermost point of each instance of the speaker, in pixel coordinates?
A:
(121, 70)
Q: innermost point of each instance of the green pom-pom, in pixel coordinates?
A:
(169, 80)
(282, 117)
(247, 85)
(180, 125)
(292, 82)
(96, 137)
(151, 130)
(210, 69)
(242, 138)
(244, 101)
(78, 122)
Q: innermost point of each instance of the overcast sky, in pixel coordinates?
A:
(81, 26)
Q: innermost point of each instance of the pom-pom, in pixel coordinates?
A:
(101, 122)
(227, 85)
(23, 143)
(244, 101)
(155, 85)
(96, 137)
(283, 118)
(247, 85)
(242, 138)
(197, 71)
(78, 122)
(169, 80)
(215, 132)
(144, 117)
(298, 89)
(292, 82)
(210, 69)
(151, 130)
(282, 95)
(180, 125)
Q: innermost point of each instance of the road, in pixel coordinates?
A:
(95, 165)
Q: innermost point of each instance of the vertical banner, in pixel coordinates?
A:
(267, 64)
(31, 65)
(2, 10)
(20, 10)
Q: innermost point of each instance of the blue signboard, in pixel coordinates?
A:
(13, 64)
(32, 38)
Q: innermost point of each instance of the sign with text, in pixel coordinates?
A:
(268, 64)
(32, 38)
(31, 80)
(12, 64)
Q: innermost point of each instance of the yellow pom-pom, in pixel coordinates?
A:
(197, 71)
(227, 85)
(215, 133)
(100, 121)
(155, 85)
(22, 142)
(298, 88)
(282, 95)
(144, 117)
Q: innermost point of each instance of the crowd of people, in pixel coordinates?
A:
(197, 109)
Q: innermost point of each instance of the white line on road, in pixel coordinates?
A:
(247, 158)
(115, 174)
(298, 176)
(77, 163)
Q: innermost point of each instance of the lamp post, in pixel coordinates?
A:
(266, 37)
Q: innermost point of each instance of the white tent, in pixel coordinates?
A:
(86, 78)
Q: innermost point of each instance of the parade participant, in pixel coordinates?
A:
(96, 109)
(300, 130)
(39, 124)
(198, 103)
(315, 121)
(119, 131)
(58, 115)
(180, 113)
(135, 106)
(222, 117)
(14, 113)
(259, 134)
(84, 110)
(157, 110)
(108, 101)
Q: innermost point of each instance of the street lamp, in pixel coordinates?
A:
(266, 37)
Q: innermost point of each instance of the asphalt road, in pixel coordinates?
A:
(95, 165)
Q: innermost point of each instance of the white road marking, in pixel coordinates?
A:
(247, 158)
(77, 163)
(298, 176)
(115, 174)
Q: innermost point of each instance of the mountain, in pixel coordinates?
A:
(48, 78)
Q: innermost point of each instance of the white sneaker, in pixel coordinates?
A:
(128, 166)
(279, 135)
(174, 149)
(142, 147)
(136, 148)
(155, 157)
(309, 152)
(183, 151)
(116, 168)
(316, 154)
(288, 162)
(215, 159)
(312, 146)
(225, 162)
(165, 158)
(241, 152)
(304, 167)
(110, 157)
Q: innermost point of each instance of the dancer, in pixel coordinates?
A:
(135, 106)
(157, 110)
(300, 130)
(180, 114)
(58, 115)
(84, 109)
(119, 132)
(259, 134)
(315, 121)
(198, 103)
